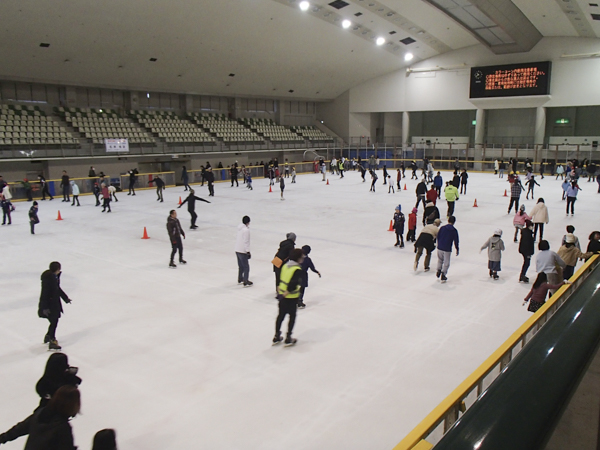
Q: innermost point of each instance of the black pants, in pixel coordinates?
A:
(514, 201)
(571, 202)
(75, 199)
(32, 223)
(530, 190)
(439, 191)
(97, 195)
(526, 263)
(52, 327)
(463, 185)
(342, 174)
(45, 191)
(177, 245)
(29, 195)
(538, 226)
(568, 272)
(410, 236)
(186, 185)
(194, 218)
(286, 306)
(6, 214)
(114, 196)
(106, 204)
(211, 189)
(66, 193)
(277, 271)
(131, 187)
(373, 185)
(400, 238)
(450, 208)
(419, 199)
(234, 180)
(159, 193)
(414, 175)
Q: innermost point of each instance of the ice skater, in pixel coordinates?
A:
(286, 169)
(6, 209)
(234, 175)
(185, 178)
(572, 191)
(438, 182)
(531, 183)
(451, 194)
(75, 192)
(341, 168)
(421, 192)
(191, 202)
(33, 217)
(363, 172)
(249, 181)
(495, 247)
(242, 251)
(210, 180)
(412, 226)
(106, 198)
(391, 185)
(539, 217)
(560, 171)
(550, 263)
(288, 292)
(526, 249)
(430, 214)
(398, 178)
(515, 194)
(293, 174)
(537, 295)
(50, 307)
(132, 179)
(58, 373)
(426, 241)
(570, 254)
(519, 221)
(306, 264)
(464, 178)
(374, 180)
(282, 255)
(66, 186)
(160, 186)
(398, 225)
(112, 191)
(447, 236)
(175, 232)
(282, 187)
(571, 229)
(96, 191)
(385, 175)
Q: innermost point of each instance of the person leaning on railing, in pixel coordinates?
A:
(537, 295)
(549, 262)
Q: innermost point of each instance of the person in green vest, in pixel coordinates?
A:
(451, 194)
(288, 294)
(341, 168)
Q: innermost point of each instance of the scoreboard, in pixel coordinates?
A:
(510, 80)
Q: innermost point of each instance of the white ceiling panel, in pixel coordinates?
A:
(547, 16)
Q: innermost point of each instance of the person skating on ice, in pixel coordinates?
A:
(242, 251)
(403, 169)
(105, 198)
(6, 210)
(413, 167)
(432, 195)
(426, 241)
(570, 230)
(412, 226)
(373, 180)
(560, 171)
(185, 178)
(306, 264)
(66, 186)
(496, 167)
(549, 262)
(570, 254)
(537, 295)
(455, 180)
(282, 187)
(132, 179)
(572, 191)
(249, 181)
(160, 186)
(50, 307)
(33, 217)
(385, 175)
(28, 189)
(283, 254)
(44, 188)
(526, 249)
(539, 217)
(398, 225)
(293, 174)
(286, 169)
(495, 247)
(519, 220)
(363, 172)
(175, 232)
(438, 182)
(191, 202)
(75, 192)
(421, 192)
(341, 168)
(429, 172)
(430, 214)
(515, 194)
(391, 185)
(398, 178)
(5, 192)
(234, 175)
(464, 178)
(210, 180)
(451, 194)
(58, 373)
(531, 183)
(112, 191)
(288, 292)
(447, 236)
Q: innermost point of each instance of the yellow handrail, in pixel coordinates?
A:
(434, 418)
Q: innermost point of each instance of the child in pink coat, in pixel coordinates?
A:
(519, 221)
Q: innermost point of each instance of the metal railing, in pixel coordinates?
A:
(447, 413)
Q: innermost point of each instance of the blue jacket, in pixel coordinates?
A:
(446, 236)
(437, 181)
(307, 264)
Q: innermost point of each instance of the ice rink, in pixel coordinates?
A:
(182, 358)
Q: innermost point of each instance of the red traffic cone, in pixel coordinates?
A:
(475, 204)
(270, 190)
(145, 236)
(327, 181)
(179, 200)
(59, 218)
(405, 186)
(505, 193)
(391, 225)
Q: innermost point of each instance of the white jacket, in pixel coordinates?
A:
(539, 213)
(6, 192)
(75, 189)
(242, 241)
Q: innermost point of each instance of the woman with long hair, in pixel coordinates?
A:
(539, 291)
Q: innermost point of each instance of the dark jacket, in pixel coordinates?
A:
(456, 181)
(425, 240)
(307, 264)
(191, 201)
(438, 181)
(421, 188)
(46, 429)
(51, 295)
(446, 237)
(526, 244)
(209, 176)
(65, 181)
(33, 217)
(593, 246)
(47, 385)
(399, 221)
(285, 248)
(174, 229)
(430, 214)
(464, 177)
(159, 182)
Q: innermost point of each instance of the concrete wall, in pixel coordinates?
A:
(335, 114)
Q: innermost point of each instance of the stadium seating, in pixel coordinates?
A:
(168, 127)
(270, 130)
(28, 125)
(312, 134)
(99, 124)
(228, 130)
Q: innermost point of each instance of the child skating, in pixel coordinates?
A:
(249, 181)
(531, 185)
(412, 226)
(33, 217)
(282, 187)
(293, 174)
(399, 226)
(519, 221)
(75, 192)
(391, 185)
(495, 246)
(306, 264)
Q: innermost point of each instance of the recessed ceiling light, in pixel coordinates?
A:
(304, 6)
(45, 45)
(408, 57)
(392, 32)
(421, 32)
(346, 24)
(147, 94)
(153, 59)
(232, 74)
(380, 41)
(290, 91)
(358, 14)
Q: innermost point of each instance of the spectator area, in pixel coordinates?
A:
(168, 127)
(28, 125)
(229, 131)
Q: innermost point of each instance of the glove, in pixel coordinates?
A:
(457, 252)
(319, 273)
(46, 313)
(249, 255)
(183, 236)
(68, 300)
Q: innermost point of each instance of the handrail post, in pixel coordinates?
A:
(450, 418)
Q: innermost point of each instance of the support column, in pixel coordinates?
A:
(479, 128)
(405, 128)
(540, 126)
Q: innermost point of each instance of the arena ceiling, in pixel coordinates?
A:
(266, 48)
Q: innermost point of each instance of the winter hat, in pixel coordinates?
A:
(570, 239)
(414, 210)
(437, 222)
(35, 203)
(522, 208)
(306, 249)
(497, 232)
(399, 208)
(291, 236)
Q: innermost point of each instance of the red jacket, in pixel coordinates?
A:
(431, 196)
(412, 221)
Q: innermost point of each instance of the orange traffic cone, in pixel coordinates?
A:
(391, 225)
(270, 190)
(59, 218)
(475, 204)
(505, 193)
(327, 181)
(145, 236)
(404, 186)
(179, 200)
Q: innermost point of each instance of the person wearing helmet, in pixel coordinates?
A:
(495, 246)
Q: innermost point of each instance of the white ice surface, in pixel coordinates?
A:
(182, 358)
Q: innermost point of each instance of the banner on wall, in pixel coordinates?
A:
(116, 145)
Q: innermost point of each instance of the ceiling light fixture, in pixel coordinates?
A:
(346, 24)
(408, 57)
(304, 6)
(380, 41)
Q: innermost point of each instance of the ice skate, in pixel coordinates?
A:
(248, 283)
(182, 261)
(438, 273)
(426, 269)
(524, 279)
(172, 264)
(47, 339)
(277, 339)
(289, 341)
(53, 345)
(301, 305)
(444, 279)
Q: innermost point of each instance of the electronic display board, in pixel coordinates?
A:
(510, 80)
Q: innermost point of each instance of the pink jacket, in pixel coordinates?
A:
(520, 219)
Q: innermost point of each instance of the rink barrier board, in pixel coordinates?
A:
(448, 411)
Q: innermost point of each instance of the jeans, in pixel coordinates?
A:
(286, 306)
(514, 201)
(194, 218)
(66, 193)
(571, 202)
(443, 261)
(243, 267)
(177, 245)
(421, 198)
(52, 327)
(159, 193)
(427, 256)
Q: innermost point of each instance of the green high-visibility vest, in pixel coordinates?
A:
(287, 272)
